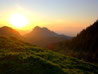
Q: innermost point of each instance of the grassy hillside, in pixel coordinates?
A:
(18, 57)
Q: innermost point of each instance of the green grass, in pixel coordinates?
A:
(18, 57)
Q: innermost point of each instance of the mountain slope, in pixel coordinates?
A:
(87, 42)
(7, 31)
(84, 45)
(23, 58)
(44, 37)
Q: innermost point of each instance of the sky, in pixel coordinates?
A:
(67, 17)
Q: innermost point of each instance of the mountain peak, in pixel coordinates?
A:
(43, 33)
(43, 36)
(36, 27)
(38, 30)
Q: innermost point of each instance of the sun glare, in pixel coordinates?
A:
(18, 20)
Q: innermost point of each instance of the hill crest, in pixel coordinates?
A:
(8, 31)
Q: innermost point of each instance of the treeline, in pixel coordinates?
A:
(83, 46)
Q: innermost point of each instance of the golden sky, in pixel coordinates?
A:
(62, 16)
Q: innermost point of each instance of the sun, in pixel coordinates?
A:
(18, 20)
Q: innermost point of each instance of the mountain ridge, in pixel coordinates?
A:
(46, 32)
(44, 37)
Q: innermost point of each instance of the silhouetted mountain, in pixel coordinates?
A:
(44, 37)
(84, 45)
(7, 31)
(44, 32)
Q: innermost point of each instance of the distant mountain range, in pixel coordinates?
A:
(44, 37)
(38, 36)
